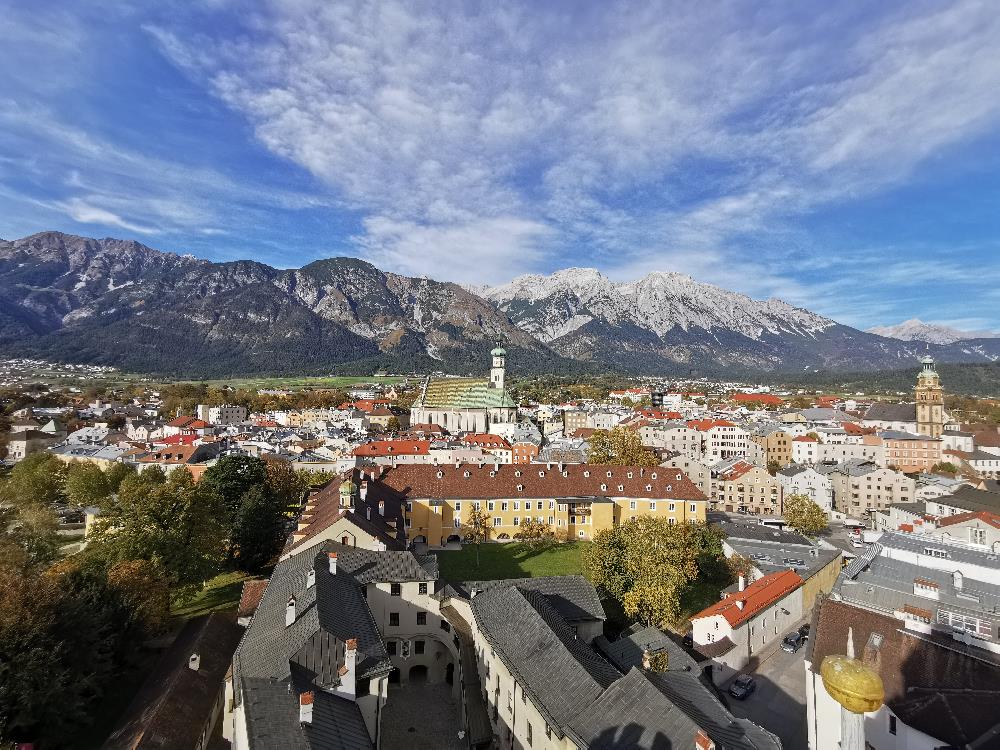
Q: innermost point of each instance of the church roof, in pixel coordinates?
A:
(463, 393)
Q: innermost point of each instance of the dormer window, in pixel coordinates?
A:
(517, 473)
(586, 475)
(609, 475)
(541, 474)
(679, 477)
(630, 475)
(493, 473)
(440, 474)
(653, 475)
(604, 488)
(669, 488)
(621, 487)
(466, 474)
(649, 488)
(520, 488)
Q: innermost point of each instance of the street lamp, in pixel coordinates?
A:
(858, 689)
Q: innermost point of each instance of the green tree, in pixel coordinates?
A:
(773, 467)
(29, 537)
(87, 484)
(945, 466)
(647, 564)
(287, 484)
(171, 522)
(619, 446)
(804, 515)
(477, 528)
(392, 425)
(230, 477)
(258, 529)
(535, 533)
(38, 479)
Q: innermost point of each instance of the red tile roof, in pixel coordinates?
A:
(755, 598)
(538, 481)
(187, 423)
(486, 440)
(253, 591)
(804, 439)
(993, 519)
(394, 448)
(703, 425)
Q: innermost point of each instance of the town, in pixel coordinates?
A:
(436, 562)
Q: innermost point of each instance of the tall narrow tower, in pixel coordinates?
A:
(930, 400)
(497, 372)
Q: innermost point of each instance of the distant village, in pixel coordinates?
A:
(901, 575)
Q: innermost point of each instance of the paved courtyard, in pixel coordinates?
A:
(779, 703)
(408, 723)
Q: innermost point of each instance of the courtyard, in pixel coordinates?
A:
(421, 716)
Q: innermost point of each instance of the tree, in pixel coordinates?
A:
(29, 537)
(647, 564)
(621, 447)
(170, 521)
(773, 467)
(87, 484)
(287, 484)
(37, 479)
(477, 527)
(945, 466)
(535, 533)
(740, 565)
(804, 515)
(258, 530)
(144, 591)
(230, 477)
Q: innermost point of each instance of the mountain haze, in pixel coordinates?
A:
(931, 333)
(118, 302)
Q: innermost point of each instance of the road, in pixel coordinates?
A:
(779, 703)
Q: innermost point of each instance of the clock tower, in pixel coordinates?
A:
(930, 400)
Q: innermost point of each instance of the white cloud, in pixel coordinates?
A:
(85, 213)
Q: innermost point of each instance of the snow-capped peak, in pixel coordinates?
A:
(552, 306)
(931, 333)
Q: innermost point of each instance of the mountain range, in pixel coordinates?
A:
(931, 333)
(117, 302)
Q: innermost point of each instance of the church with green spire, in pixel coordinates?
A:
(467, 404)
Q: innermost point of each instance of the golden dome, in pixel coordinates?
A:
(853, 685)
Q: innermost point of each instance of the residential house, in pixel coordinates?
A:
(746, 488)
(747, 621)
(861, 488)
(910, 453)
(808, 481)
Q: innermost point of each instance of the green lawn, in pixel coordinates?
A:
(510, 560)
(220, 594)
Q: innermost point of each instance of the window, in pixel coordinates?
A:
(551, 520)
(421, 588)
(458, 507)
(631, 504)
(517, 505)
(529, 734)
(395, 589)
(580, 534)
(517, 520)
(409, 507)
(418, 647)
(390, 647)
(933, 552)
(489, 505)
(892, 724)
(541, 505)
(694, 508)
(503, 505)
(394, 618)
(548, 732)
(652, 505)
(446, 627)
(497, 522)
(421, 618)
(671, 507)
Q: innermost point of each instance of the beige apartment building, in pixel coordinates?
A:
(748, 489)
(777, 446)
(859, 489)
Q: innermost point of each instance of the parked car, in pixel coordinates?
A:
(793, 642)
(742, 686)
(856, 542)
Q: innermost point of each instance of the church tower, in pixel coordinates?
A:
(497, 372)
(930, 400)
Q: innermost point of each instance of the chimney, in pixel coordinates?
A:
(306, 707)
(381, 507)
(311, 578)
(496, 466)
(740, 604)
(194, 662)
(368, 513)
(290, 611)
(332, 556)
(458, 464)
(702, 741)
(743, 582)
(363, 492)
(957, 579)
(349, 673)
(647, 663)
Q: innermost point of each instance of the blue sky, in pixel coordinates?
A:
(843, 158)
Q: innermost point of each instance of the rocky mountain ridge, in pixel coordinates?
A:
(118, 302)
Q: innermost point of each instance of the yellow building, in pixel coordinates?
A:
(577, 500)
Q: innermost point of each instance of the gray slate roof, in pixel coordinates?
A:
(971, 499)
(558, 671)
(573, 596)
(272, 711)
(892, 413)
(754, 531)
